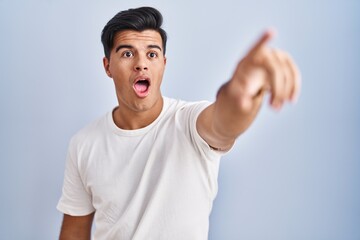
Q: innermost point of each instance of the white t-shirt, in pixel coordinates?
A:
(157, 182)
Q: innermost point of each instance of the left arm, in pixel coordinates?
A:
(239, 100)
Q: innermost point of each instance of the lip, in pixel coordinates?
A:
(142, 91)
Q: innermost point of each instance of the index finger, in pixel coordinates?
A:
(264, 39)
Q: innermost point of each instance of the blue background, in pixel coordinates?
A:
(293, 175)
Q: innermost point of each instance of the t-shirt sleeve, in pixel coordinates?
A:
(75, 199)
(202, 146)
(210, 158)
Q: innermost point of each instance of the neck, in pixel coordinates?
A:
(128, 119)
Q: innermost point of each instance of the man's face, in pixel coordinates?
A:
(137, 64)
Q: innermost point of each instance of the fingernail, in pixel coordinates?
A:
(294, 98)
(276, 104)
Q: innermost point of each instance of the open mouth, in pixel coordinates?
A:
(141, 87)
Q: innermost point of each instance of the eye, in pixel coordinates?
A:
(127, 54)
(152, 54)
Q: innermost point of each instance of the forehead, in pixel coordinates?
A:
(134, 37)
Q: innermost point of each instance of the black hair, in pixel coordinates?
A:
(138, 19)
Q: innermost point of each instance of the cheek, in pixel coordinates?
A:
(120, 72)
(120, 65)
(159, 77)
(160, 71)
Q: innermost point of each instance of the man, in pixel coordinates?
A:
(148, 169)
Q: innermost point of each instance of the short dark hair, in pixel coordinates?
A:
(138, 19)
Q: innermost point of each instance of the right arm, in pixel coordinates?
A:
(76, 227)
(238, 101)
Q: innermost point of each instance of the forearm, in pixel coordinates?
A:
(76, 228)
(234, 110)
(231, 114)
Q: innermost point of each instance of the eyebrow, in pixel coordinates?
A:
(130, 46)
(155, 46)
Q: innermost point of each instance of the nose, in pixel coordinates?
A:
(140, 64)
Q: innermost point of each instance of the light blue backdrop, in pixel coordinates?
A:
(293, 175)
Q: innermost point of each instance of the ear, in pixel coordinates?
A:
(165, 61)
(106, 64)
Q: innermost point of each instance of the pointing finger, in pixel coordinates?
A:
(264, 39)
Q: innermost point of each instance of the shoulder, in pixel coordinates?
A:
(184, 113)
(91, 131)
(178, 104)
